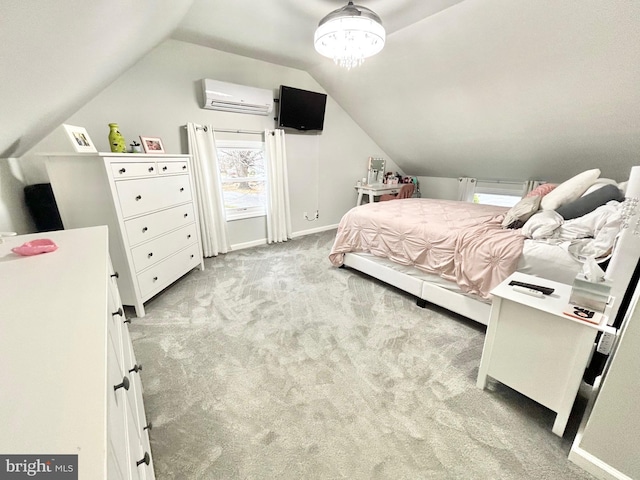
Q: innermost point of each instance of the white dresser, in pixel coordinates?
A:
(147, 203)
(70, 381)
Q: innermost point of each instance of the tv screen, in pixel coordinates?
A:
(301, 109)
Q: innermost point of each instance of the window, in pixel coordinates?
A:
(243, 177)
(504, 194)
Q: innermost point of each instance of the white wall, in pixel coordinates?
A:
(162, 92)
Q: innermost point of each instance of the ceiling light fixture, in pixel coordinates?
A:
(349, 35)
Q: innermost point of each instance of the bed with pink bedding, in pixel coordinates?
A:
(461, 242)
(454, 253)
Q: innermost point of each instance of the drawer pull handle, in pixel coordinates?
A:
(144, 229)
(146, 460)
(124, 384)
(128, 320)
(119, 312)
(150, 169)
(115, 275)
(155, 279)
(182, 189)
(150, 255)
(149, 426)
(138, 197)
(186, 215)
(136, 368)
(122, 170)
(164, 169)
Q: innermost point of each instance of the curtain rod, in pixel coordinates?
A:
(227, 130)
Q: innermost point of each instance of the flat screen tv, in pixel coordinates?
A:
(301, 109)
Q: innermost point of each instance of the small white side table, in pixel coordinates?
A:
(375, 191)
(532, 347)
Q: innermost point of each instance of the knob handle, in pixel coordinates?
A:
(149, 426)
(115, 274)
(189, 236)
(144, 229)
(136, 368)
(138, 197)
(192, 255)
(150, 169)
(146, 460)
(122, 170)
(150, 254)
(186, 215)
(119, 312)
(164, 169)
(155, 279)
(182, 189)
(184, 167)
(124, 384)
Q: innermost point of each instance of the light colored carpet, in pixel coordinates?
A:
(272, 364)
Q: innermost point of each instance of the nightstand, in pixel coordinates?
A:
(375, 191)
(532, 347)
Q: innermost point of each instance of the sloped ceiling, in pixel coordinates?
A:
(487, 88)
(55, 56)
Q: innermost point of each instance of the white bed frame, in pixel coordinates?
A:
(620, 270)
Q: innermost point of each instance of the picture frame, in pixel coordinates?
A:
(152, 144)
(80, 139)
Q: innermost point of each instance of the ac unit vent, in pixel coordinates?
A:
(230, 97)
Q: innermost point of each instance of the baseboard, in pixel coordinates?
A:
(263, 241)
(314, 230)
(595, 466)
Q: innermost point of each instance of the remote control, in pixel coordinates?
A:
(540, 288)
(528, 291)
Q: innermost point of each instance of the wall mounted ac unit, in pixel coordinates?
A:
(230, 97)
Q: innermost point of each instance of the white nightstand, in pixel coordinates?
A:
(375, 191)
(534, 348)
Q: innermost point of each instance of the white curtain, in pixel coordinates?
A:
(278, 210)
(466, 189)
(213, 226)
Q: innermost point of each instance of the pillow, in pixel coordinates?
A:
(599, 183)
(521, 212)
(588, 203)
(570, 190)
(541, 190)
(623, 187)
(542, 225)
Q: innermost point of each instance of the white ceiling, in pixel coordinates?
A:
(281, 31)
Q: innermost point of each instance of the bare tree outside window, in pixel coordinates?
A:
(242, 173)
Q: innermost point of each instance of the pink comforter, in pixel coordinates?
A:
(459, 241)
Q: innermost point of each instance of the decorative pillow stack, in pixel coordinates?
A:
(570, 190)
(571, 199)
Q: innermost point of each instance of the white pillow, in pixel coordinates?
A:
(570, 190)
(599, 183)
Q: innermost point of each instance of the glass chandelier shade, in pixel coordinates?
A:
(350, 34)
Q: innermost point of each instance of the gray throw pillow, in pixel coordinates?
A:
(521, 212)
(590, 202)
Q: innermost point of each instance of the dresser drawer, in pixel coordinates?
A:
(145, 228)
(126, 170)
(172, 167)
(160, 248)
(148, 194)
(154, 279)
